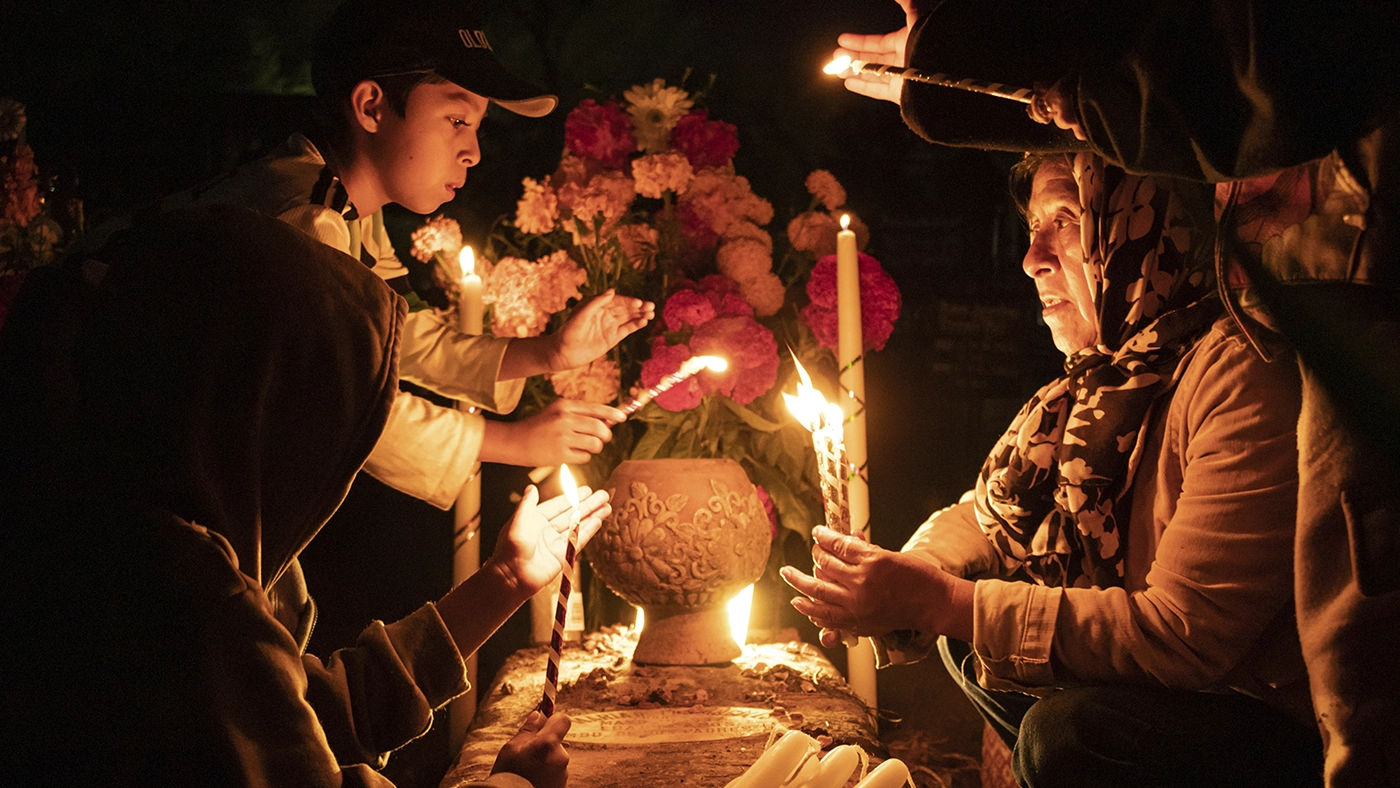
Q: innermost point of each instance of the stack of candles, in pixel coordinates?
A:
(561, 610)
(795, 761)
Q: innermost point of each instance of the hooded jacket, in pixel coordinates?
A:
(176, 424)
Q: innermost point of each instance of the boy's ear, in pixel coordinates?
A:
(367, 104)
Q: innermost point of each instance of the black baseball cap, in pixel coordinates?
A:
(369, 39)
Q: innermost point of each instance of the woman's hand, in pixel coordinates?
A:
(887, 49)
(537, 752)
(861, 588)
(531, 550)
(1053, 105)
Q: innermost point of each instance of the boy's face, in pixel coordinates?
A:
(422, 158)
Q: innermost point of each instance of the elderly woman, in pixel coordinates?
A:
(1117, 585)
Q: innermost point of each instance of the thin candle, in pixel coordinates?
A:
(556, 641)
(692, 366)
(845, 66)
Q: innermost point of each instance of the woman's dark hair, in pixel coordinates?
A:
(1023, 176)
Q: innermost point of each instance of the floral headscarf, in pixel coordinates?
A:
(1052, 492)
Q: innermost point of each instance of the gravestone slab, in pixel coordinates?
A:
(665, 726)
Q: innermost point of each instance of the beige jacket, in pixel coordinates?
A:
(426, 451)
(1207, 597)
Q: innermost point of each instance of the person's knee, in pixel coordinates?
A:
(1070, 735)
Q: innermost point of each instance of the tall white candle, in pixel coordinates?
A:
(466, 546)
(850, 352)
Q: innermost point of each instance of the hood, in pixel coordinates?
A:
(228, 369)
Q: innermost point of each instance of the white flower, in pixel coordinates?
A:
(655, 108)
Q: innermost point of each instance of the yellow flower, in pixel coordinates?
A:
(655, 108)
(659, 173)
(538, 209)
(595, 382)
(824, 186)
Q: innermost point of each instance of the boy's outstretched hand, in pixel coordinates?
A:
(597, 327)
(537, 752)
(567, 431)
(530, 552)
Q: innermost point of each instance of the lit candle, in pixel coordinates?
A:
(466, 515)
(691, 366)
(561, 610)
(469, 304)
(845, 67)
(850, 355)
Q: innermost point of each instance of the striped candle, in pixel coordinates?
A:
(561, 610)
(691, 366)
(844, 66)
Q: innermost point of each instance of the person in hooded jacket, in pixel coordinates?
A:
(174, 430)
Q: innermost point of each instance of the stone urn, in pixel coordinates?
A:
(683, 538)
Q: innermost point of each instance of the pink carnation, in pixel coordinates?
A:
(601, 132)
(707, 143)
(696, 229)
(687, 308)
(752, 353)
(879, 303)
(768, 510)
(664, 360)
(724, 293)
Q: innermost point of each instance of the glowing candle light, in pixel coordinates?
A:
(470, 303)
(466, 514)
(844, 66)
(556, 643)
(739, 609)
(692, 366)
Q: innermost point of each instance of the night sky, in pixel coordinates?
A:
(131, 100)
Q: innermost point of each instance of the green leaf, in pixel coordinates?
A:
(750, 418)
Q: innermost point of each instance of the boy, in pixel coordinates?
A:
(402, 89)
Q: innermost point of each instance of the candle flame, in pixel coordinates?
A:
(739, 608)
(809, 405)
(845, 221)
(566, 479)
(838, 64)
(467, 259)
(715, 363)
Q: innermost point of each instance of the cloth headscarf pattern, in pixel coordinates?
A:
(1051, 493)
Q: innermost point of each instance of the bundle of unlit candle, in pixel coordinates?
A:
(795, 761)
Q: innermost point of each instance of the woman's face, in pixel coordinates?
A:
(1056, 259)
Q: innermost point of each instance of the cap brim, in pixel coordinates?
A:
(536, 107)
(483, 75)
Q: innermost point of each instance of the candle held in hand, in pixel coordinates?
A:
(561, 610)
(691, 366)
(845, 67)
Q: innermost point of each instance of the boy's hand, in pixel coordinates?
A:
(537, 752)
(597, 327)
(532, 549)
(568, 430)
(887, 49)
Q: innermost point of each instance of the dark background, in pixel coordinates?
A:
(130, 100)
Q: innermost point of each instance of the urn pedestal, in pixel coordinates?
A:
(683, 538)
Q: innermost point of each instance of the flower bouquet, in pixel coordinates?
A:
(29, 234)
(646, 200)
